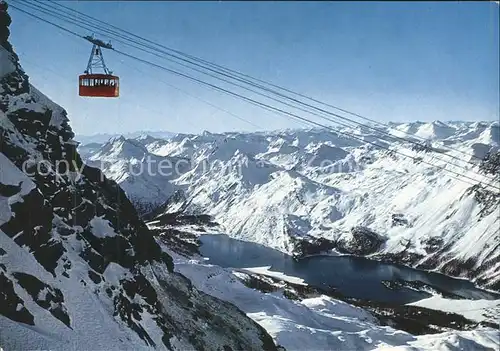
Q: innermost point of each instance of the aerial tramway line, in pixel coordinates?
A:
(105, 84)
(93, 84)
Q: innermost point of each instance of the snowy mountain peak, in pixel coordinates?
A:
(117, 138)
(435, 130)
(146, 139)
(119, 147)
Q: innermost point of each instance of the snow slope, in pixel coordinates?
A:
(476, 310)
(272, 187)
(322, 323)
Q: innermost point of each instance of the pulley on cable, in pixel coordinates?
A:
(98, 84)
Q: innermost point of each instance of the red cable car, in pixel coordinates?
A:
(98, 84)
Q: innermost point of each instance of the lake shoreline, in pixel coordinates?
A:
(333, 266)
(397, 263)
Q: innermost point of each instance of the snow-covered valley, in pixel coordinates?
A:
(429, 201)
(322, 322)
(300, 317)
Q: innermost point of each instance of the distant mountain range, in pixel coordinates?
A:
(104, 137)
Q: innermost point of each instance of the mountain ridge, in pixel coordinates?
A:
(104, 137)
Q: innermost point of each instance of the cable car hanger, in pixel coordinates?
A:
(93, 84)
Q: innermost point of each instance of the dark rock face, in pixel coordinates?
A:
(364, 242)
(487, 199)
(181, 242)
(82, 232)
(16, 82)
(423, 146)
(44, 295)
(311, 246)
(9, 190)
(491, 163)
(179, 219)
(11, 306)
(432, 245)
(398, 219)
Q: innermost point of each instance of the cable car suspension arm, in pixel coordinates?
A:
(96, 59)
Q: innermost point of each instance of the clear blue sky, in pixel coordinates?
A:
(390, 61)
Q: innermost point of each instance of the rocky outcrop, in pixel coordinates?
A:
(306, 246)
(364, 242)
(491, 163)
(399, 219)
(488, 200)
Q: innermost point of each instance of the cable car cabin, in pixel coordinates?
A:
(99, 85)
